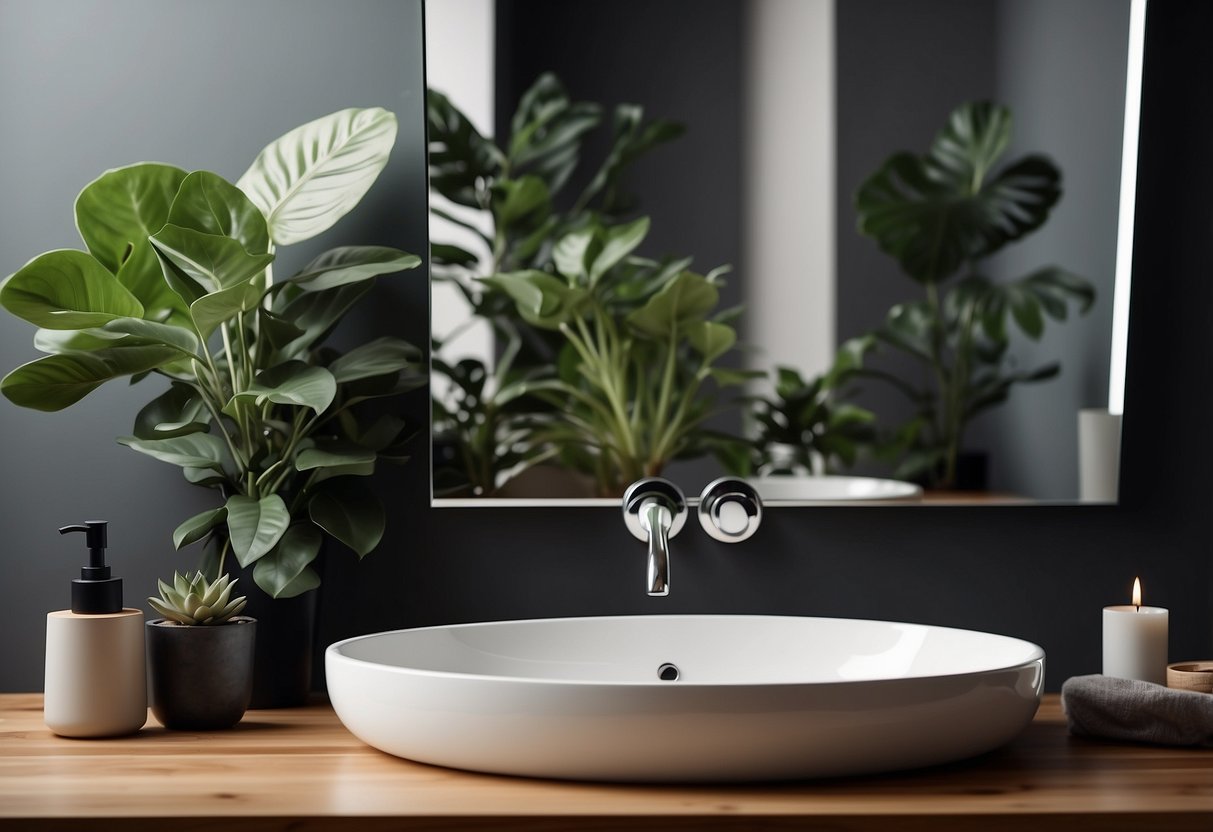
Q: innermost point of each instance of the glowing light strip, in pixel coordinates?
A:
(1128, 199)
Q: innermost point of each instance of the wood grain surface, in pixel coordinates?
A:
(301, 770)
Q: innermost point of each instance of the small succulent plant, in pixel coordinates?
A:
(195, 600)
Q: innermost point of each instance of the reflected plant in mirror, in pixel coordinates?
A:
(941, 215)
(839, 378)
(808, 427)
(606, 358)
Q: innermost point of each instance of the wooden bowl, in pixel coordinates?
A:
(1194, 676)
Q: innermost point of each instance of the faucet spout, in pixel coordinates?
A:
(654, 510)
(656, 520)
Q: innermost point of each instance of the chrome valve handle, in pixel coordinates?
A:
(730, 509)
(654, 510)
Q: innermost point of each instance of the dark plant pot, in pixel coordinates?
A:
(972, 471)
(972, 474)
(201, 676)
(282, 667)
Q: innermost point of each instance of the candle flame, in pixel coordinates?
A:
(1137, 592)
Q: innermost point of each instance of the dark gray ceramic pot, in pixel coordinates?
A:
(201, 676)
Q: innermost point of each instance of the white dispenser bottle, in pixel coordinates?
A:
(96, 684)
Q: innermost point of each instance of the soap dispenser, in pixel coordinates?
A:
(96, 684)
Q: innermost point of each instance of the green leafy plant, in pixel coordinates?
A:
(195, 600)
(177, 281)
(940, 215)
(641, 341)
(808, 427)
(490, 422)
(514, 198)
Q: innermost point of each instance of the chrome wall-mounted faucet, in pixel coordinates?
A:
(654, 510)
(730, 509)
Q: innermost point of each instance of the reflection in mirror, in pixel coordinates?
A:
(865, 248)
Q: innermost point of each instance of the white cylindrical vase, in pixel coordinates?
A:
(1098, 456)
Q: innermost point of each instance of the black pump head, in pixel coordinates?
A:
(95, 592)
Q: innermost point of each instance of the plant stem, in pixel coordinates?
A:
(296, 435)
(205, 395)
(236, 371)
(945, 384)
(956, 404)
(660, 415)
(227, 544)
(231, 358)
(614, 385)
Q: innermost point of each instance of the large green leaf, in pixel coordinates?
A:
(176, 412)
(198, 526)
(285, 572)
(209, 311)
(208, 203)
(375, 358)
(122, 207)
(350, 264)
(277, 331)
(55, 341)
(446, 254)
(543, 300)
(333, 455)
(516, 201)
(970, 145)
(143, 275)
(294, 383)
(937, 212)
(58, 381)
(462, 161)
(255, 526)
(685, 300)
(1046, 291)
(618, 242)
(569, 253)
(115, 215)
(67, 289)
(547, 131)
(198, 450)
(204, 477)
(151, 332)
(317, 313)
(311, 177)
(350, 512)
(211, 261)
(712, 339)
(632, 137)
(909, 326)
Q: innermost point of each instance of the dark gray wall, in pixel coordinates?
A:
(1041, 573)
(86, 85)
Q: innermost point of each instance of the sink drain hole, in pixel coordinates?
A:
(667, 673)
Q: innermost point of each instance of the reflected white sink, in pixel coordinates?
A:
(830, 489)
(757, 698)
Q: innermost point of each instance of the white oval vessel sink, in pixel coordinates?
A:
(756, 697)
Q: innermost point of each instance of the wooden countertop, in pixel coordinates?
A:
(301, 770)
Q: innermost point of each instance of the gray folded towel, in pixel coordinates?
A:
(1126, 709)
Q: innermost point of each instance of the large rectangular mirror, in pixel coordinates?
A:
(868, 251)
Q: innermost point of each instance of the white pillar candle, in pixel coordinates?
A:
(1135, 640)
